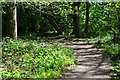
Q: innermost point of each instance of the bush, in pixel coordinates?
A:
(26, 59)
(100, 39)
(113, 50)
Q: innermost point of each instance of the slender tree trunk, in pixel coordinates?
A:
(87, 19)
(76, 19)
(11, 30)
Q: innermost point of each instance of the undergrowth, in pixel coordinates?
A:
(27, 59)
(113, 50)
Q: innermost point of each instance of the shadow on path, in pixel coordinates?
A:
(92, 63)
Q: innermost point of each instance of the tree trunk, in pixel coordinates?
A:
(87, 19)
(11, 30)
(76, 24)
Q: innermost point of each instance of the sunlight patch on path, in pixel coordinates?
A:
(91, 61)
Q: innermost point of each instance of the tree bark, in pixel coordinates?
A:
(11, 30)
(76, 23)
(87, 19)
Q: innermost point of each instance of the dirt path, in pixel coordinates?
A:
(92, 63)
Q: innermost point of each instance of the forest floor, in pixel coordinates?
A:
(92, 63)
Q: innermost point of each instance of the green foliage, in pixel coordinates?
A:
(100, 39)
(33, 21)
(113, 50)
(116, 71)
(103, 17)
(27, 59)
(56, 17)
(34, 38)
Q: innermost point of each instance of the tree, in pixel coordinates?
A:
(76, 23)
(87, 19)
(11, 30)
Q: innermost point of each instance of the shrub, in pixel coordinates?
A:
(113, 50)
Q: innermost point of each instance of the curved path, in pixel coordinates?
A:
(92, 63)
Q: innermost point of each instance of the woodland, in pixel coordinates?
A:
(29, 30)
